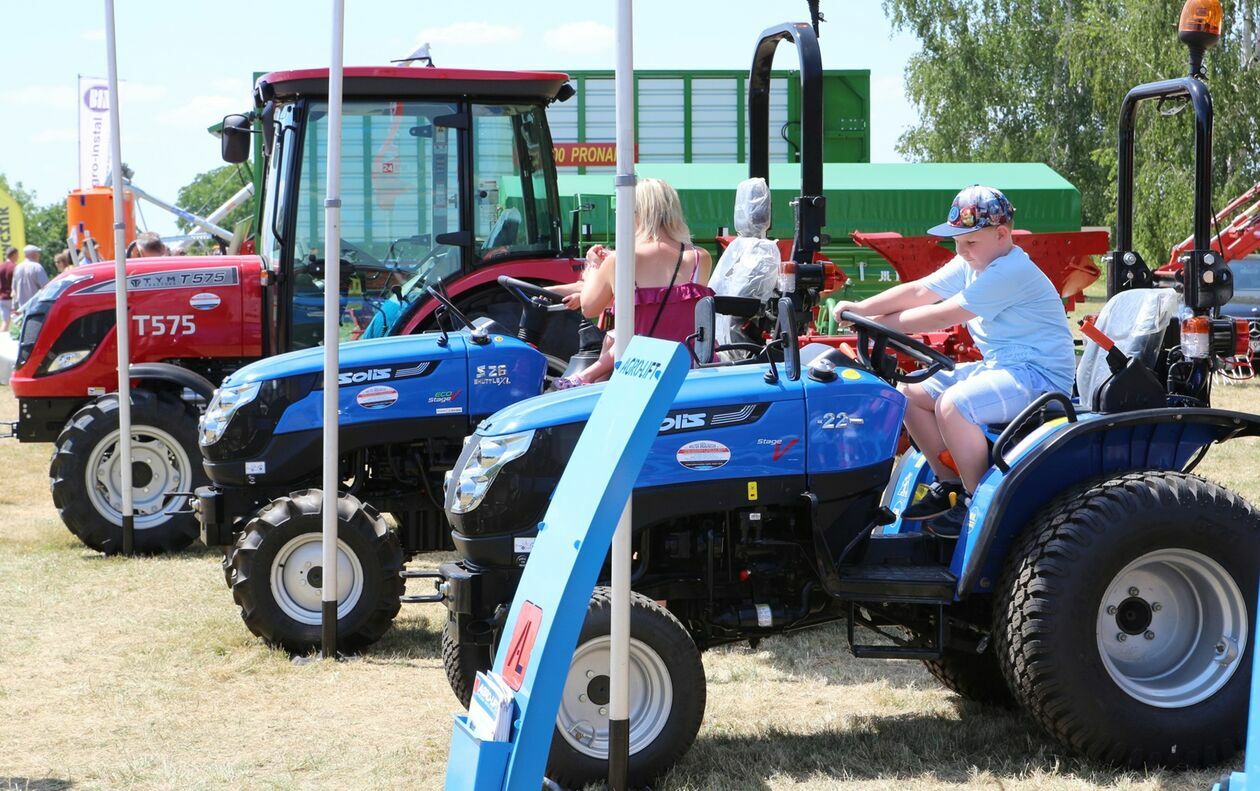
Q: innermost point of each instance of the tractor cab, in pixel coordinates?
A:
(449, 183)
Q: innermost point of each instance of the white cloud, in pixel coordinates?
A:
(93, 35)
(56, 135)
(585, 37)
(59, 96)
(468, 33)
(202, 111)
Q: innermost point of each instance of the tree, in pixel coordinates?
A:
(210, 190)
(45, 225)
(1042, 80)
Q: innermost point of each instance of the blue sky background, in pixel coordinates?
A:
(186, 64)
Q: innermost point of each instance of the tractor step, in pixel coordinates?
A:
(417, 574)
(930, 584)
(897, 647)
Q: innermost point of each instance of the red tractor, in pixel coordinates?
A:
(449, 183)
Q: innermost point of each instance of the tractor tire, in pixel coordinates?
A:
(226, 564)
(976, 677)
(85, 477)
(667, 696)
(462, 662)
(1123, 619)
(277, 564)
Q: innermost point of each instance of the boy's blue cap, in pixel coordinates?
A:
(974, 208)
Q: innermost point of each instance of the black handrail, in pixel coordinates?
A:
(1012, 428)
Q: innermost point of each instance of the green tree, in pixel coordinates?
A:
(1042, 80)
(210, 190)
(45, 225)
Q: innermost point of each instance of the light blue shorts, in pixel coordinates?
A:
(986, 394)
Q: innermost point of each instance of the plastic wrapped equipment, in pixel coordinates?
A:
(749, 267)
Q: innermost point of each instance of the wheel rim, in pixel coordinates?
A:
(297, 577)
(159, 464)
(583, 717)
(1172, 628)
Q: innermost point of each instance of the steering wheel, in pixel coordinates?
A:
(532, 295)
(873, 340)
(445, 302)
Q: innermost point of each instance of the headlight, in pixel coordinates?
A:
(68, 360)
(226, 402)
(490, 455)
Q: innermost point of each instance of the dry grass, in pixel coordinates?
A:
(139, 674)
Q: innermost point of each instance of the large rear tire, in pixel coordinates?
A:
(85, 475)
(278, 573)
(1124, 619)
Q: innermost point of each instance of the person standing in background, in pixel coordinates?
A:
(6, 288)
(28, 278)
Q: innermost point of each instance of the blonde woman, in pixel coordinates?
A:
(670, 276)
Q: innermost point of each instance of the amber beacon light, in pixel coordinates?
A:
(1199, 29)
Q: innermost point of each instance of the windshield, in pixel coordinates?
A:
(512, 159)
(399, 194)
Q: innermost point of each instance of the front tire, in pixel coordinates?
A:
(86, 477)
(667, 696)
(278, 573)
(462, 661)
(1124, 617)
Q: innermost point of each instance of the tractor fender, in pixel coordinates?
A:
(1060, 455)
(174, 374)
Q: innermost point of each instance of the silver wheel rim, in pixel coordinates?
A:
(583, 717)
(157, 456)
(297, 574)
(1172, 628)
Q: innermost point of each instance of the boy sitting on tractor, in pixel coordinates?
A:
(1017, 320)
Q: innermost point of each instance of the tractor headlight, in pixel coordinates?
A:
(489, 456)
(224, 405)
(68, 360)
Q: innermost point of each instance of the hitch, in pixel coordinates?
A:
(8, 429)
(440, 596)
(190, 498)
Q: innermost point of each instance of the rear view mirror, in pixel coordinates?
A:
(785, 330)
(235, 139)
(706, 320)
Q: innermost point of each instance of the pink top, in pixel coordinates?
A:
(669, 313)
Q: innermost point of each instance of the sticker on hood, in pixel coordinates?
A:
(376, 397)
(204, 301)
(703, 455)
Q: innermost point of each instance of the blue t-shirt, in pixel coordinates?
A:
(1019, 316)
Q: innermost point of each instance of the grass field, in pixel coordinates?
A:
(122, 673)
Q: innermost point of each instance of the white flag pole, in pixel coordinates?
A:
(122, 323)
(332, 334)
(619, 650)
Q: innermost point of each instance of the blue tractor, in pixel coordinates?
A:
(1097, 583)
(406, 405)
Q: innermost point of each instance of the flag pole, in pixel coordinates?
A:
(332, 335)
(122, 322)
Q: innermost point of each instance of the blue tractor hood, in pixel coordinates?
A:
(708, 387)
(353, 355)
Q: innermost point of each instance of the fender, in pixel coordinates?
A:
(174, 374)
(555, 271)
(1060, 455)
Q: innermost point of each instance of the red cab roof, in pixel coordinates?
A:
(419, 81)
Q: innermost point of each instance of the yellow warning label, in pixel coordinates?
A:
(850, 374)
(752, 491)
(920, 492)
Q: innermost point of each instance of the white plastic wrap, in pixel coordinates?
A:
(749, 267)
(1136, 320)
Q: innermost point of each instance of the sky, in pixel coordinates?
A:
(185, 65)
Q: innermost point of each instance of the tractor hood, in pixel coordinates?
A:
(376, 353)
(705, 388)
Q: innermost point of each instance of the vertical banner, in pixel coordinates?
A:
(12, 224)
(94, 134)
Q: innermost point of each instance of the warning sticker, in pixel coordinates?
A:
(522, 644)
(376, 397)
(204, 301)
(703, 454)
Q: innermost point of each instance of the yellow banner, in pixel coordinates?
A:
(12, 226)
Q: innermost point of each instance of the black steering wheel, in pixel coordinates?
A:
(446, 303)
(533, 295)
(873, 340)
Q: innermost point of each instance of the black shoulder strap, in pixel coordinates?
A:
(668, 291)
